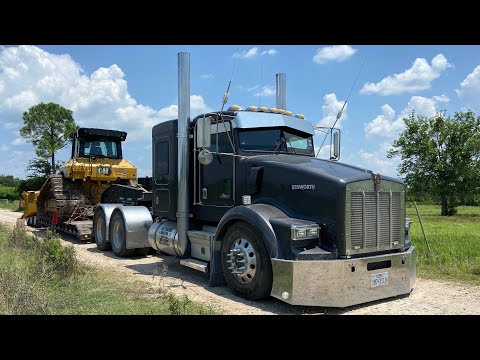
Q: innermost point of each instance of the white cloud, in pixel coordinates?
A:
(267, 90)
(377, 160)
(388, 125)
(19, 141)
(271, 52)
(418, 77)
(254, 52)
(246, 54)
(336, 53)
(206, 76)
(99, 100)
(330, 109)
(469, 91)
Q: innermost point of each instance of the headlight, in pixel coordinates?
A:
(302, 232)
(408, 223)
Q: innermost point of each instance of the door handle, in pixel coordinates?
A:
(204, 194)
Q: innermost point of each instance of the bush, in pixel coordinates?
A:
(61, 258)
(9, 193)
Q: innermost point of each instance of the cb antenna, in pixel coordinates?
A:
(227, 93)
(339, 115)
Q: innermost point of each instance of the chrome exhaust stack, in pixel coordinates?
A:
(281, 91)
(183, 152)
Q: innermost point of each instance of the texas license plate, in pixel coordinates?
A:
(379, 279)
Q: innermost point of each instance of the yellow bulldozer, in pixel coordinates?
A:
(66, 200)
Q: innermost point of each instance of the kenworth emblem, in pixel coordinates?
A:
(303, 187)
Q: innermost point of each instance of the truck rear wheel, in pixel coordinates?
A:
(100, 230)
(118, 233)
(246, 265)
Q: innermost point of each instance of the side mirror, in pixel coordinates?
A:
(336, 145)
(203, 132)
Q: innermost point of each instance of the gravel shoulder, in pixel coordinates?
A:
(428, 297)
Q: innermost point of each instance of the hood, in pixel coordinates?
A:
(329, 170)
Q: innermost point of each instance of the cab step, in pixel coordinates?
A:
(195, 264)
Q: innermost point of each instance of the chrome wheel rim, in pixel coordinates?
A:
(117, 235)
(242, 261)
(100, 230)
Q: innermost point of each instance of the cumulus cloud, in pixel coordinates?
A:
(330, 109)
(206, 76)
(416, 78)
(337, 53)
(254, 52)
(267, 90)
(270, 52)
(388, 125)
(469, 91)
(377, 160)
(29, 75)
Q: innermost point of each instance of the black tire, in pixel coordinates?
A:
(260, 285)
(99, 231)
(117, 236)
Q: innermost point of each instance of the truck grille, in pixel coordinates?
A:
(375, 219)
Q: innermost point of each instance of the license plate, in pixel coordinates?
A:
(379, 279)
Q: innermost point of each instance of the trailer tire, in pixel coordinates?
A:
(118, 233)
(242, 243)
(100, 230)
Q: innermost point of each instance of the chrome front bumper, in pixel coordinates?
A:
(342, 282)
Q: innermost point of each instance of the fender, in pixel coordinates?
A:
(258, 216)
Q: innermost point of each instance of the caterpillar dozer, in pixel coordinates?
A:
(66, 200)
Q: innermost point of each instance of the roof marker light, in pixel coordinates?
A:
(274, 110)
(234, 108)
(252, 108)
(301, 116)
(263, 108)
(288, 113)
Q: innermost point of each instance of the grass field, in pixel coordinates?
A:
(43, 277)
(11, 205)
(454, 243)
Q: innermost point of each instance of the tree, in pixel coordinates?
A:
(48, 126)
(440, 156)
(41, 167)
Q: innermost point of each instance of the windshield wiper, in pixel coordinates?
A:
(280, 142)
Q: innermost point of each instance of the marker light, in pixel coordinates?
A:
(234, 108)
(301, 116)
(252, 108)
(288, 113)
(263, 108)
(274, 110)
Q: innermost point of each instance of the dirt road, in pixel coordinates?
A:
(427, 297)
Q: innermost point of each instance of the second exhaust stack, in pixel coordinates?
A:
(281, 91)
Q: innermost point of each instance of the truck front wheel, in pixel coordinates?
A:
(118, 234)
(246, 265)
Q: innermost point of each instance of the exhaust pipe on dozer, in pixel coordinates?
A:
(183, 154)
(281, 91)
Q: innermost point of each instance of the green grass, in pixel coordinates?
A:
(43, 279)
(454, 243)
(11, 205)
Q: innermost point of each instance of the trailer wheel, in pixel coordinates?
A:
(100, 230)
(246, 265)
(118, 236)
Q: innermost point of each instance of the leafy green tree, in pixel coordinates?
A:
(440, 156)
(8, 180)
(47, 127)
(41, 167)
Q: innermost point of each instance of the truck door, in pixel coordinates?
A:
(216, 187)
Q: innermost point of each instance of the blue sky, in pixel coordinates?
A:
(132, 88)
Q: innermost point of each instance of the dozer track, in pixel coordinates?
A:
(67, 198)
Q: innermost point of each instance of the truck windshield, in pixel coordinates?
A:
(276, 140)
(99, 148)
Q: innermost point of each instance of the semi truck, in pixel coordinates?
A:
(240, 196)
